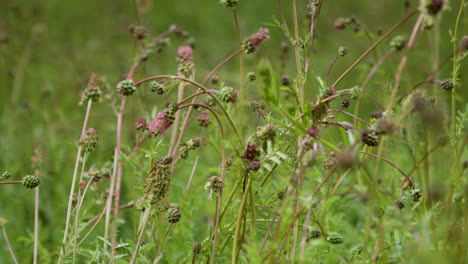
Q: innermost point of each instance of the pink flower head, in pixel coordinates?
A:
(250, 44)
(184, 53)
(161, 123)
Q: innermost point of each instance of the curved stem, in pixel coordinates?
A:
(371, 48)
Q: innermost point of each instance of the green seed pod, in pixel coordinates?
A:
(126, 87)
(335, 238)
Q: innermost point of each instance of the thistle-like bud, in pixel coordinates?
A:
(89, 140)
(31, 181)
(126, 87)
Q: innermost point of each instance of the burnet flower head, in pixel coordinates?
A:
(253, 42)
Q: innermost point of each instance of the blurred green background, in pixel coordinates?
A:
(48, 48)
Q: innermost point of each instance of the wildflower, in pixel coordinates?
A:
(343, 51)
(370, 138)
(92, 91)
(196, 248)
(400, 204)
(157, 87)
(173, 214)
(345, 103)
(251, 153)
(204, 119)
(251, 76)
(184, 53)
(158, 181)
(141, 124)
(313, 132)
(31, 181)
(228, 94)
(214, 184)
(228, 3)
(138, 31)
(214, 79)
(398, 42)
(253, 42)
(447, 85)
(313, 234)
(89, 140)
(434, 6)
(126, 87)
(5, 176)
(254, 165)
(285, 81)
(162, 122)
(335, 238)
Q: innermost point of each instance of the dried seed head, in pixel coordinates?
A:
(204, 119)
(214, 79)
(31, 181)
(228, 3)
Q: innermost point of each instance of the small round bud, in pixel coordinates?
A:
(313, 132)
(464, 43)
(254, 165)
(370, 138)
(228, 3)
(173, 214)
(157, 87)
(434, 6)
(345, 103)
(447, 85)
(89, 140)
(398, 42)
(335, 238)
(214, 79)
(126, 87)
(196, 248)
(343, 51)
(285, 81)
(251, 76)
(204, 119)
(215, 184)
(228, 94)
(141, 124)
(31, 181)
(313, 234)
(400, 204)
(5, 176)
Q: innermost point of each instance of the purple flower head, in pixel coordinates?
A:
(184, 53)
(162, 122)
(141, 124)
